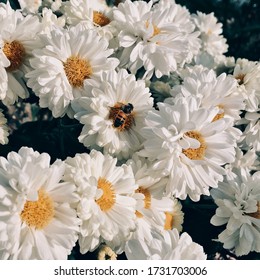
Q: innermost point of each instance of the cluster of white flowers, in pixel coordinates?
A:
(162, 121)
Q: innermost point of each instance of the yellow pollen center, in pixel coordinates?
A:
(77, 70)
(108, 198)
(147, 197)
(15, 53)
(257, 213)
(100, 19)
(199, 153)
(220, 115)
(240, 77)
(156, 30)
(168, 225)
(38, 214)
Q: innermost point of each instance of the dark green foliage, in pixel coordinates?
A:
(57, 137)
(14, 3)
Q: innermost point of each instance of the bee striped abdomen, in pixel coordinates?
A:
(122, 116)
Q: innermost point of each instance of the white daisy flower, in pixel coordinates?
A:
(172, 247)
(37, 219)
(18, 37)
(247, 160)
(6, 10)
(152, 208)
(4, 63)
(54, 5)
(247, 74)
(219, 92)
(68, 58)
(154, 38)
(173, 218)
(49, 21)
(4, 133)
(115, 113)
(94, 14)
(105, 208)
(181, 18)
(162, 88)
(187, 147)
(238, 202)
(224, 64)
(30, 6)
(212, 41)
(251, 134)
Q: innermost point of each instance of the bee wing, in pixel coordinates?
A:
(132, 119)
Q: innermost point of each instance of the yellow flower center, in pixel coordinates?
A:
(15, 53)
(168, 225)
(199, 153)
(257, 213)
(108, 198)
(100, 19)
(147, 197)
(240, 77)
(156, 29)
(220, 115)
(38, 214)
(77, 70)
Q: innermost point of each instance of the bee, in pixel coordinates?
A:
(122, 116)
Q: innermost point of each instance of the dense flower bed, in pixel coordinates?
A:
(142, 138)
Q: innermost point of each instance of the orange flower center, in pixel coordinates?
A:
(147, 197)
(100, 19)
(168, 225)
(77, 70)
(38, 214)
(15, 53)
(199, 153)
(108, 198)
